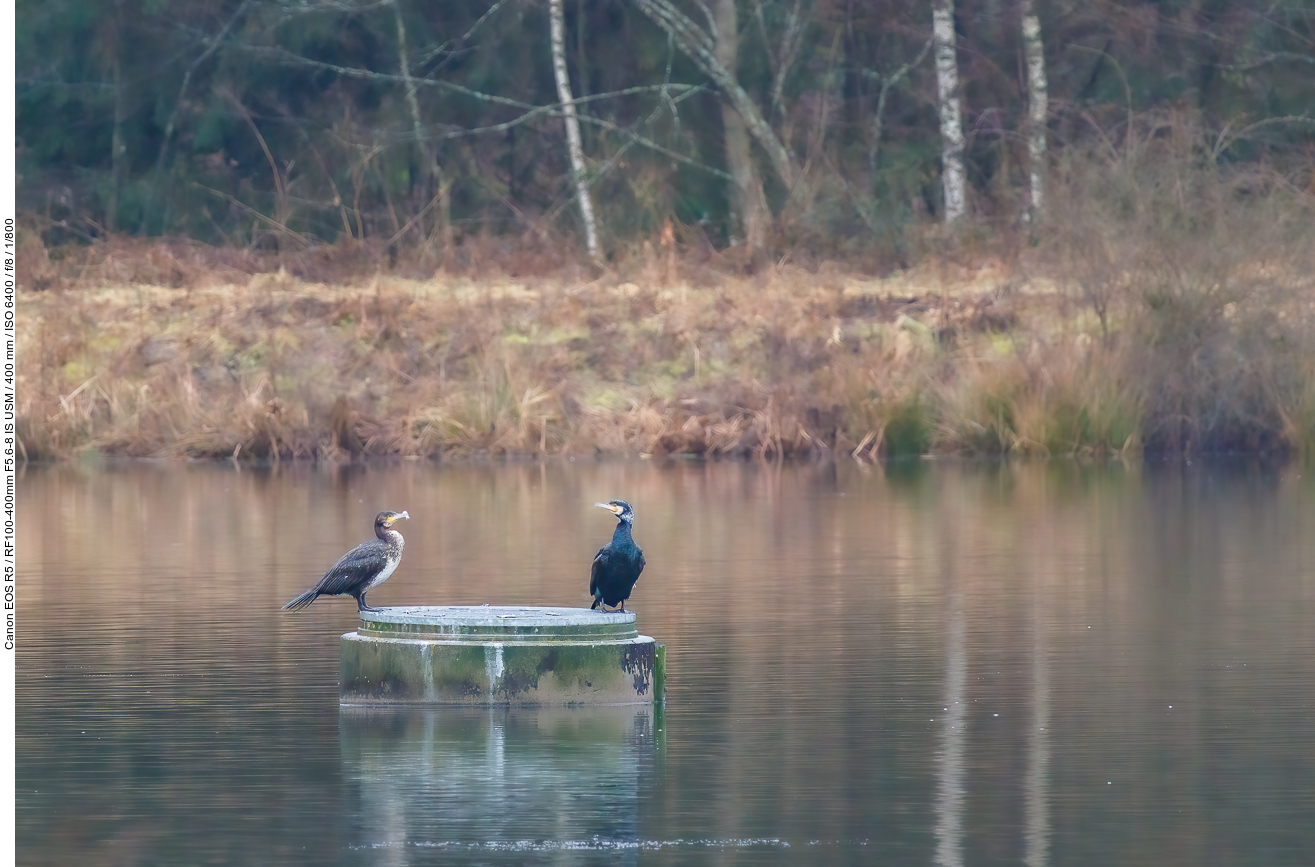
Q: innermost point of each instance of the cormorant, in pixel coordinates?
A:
(364, 567)
(616, 565)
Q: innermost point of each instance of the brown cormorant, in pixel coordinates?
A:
(364, 567)
(616, 565)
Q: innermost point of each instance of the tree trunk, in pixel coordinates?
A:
(118, 149)
(178, 106)
(700, 48)
(947, 97)
(581, 58)
(557, 28)
(887, 83)
(1037, 102)
(417, 128)
(431, 174)
(747, 191)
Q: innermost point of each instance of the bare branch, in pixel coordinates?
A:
(280, 191)
(465, 37)
(286, 57)
(627, 132)
(666, 84)
(886, 84)
(1274, 57)
(428, 156)
(1127, 88)
(652, 145)
(330, 6)
(306, 240)
(531, 111)
(419, 214)
(1225, 141)
(211, 48)
(405, 66)
(700, 47)
(790, 44)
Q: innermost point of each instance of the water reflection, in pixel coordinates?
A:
(916, 664)
(950, 760)
(1036, 790)
(466, 779)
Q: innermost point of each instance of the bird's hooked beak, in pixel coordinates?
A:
(611, 507)
(397, 517)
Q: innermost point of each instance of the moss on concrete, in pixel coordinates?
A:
(390, 670)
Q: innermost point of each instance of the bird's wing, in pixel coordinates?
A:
(641, 563)
(353, 567)
(596, 572)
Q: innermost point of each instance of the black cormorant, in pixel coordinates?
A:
(364, 567)
(616, 565)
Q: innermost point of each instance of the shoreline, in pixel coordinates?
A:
(782, 364)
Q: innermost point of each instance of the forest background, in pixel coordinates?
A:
(275, 229)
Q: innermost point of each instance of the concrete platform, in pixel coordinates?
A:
(499, 656)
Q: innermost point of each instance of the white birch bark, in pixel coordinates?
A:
(953, 177)
(1038, 98)
(1036, 782)
(951, 765)
(557, 31)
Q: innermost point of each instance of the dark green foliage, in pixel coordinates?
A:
(286, 124)
(909, 432)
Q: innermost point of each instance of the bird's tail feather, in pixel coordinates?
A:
(302, 601)
(597, 599)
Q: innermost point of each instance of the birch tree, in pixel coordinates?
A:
(947, 98)
(750, 206)
(1037, 103)
(557, 30)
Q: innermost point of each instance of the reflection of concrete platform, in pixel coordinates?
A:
(499, 655)
(475, 785)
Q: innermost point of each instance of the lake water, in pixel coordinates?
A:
(918, 664)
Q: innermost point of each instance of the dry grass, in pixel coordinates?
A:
(783, 363)
(778, 364)
(1168, 305)
(1201, 277)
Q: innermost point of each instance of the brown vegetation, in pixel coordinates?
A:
(1167, 304)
